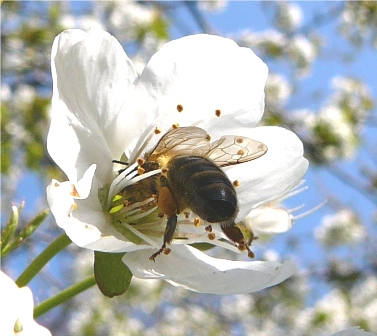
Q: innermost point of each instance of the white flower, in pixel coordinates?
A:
(289, 15)
(16, 310)
(102, 110)
(278, 89)
(340, 228)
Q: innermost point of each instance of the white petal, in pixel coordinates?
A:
(271, 175)
(187, 267)
(17, 304)
(268, 220)
(205, 73)
(83, 219)
(93, 117)
(354, 331)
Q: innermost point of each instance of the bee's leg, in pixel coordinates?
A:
(235, 234)
(171, 225)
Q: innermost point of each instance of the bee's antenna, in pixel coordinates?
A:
(120, 162)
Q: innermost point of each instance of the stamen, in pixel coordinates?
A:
(306, 213)
(141, 215)
(145, 175)
(142, 236)
(121, 181)
(293, 193)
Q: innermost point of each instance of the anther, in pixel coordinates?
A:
(239, 140)
(161, 215)
(164, 170)
(175, 126)
(208, 228)
(140, 161)
(196, 221)
(74, 192)
(218, 113)
(179, 108)
(236, 183)
(211, 236)
(157, 130)
(140, 170)
(187, 214)
(167, 251)
(240, 152)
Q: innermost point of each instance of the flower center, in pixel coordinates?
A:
(132, 203)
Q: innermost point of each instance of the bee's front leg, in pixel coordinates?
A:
(171, 225)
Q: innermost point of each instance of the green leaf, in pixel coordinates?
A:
(113, 277)
(9, 231)
(7, 245)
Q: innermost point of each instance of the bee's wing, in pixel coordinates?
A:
(183, 141)
(230, 150)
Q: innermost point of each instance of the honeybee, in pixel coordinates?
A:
(191, 179)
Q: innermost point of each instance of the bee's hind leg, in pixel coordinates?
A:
(171, 225)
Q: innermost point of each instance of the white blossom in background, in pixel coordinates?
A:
(103, 110)
(5, 93)
(341, 228)
(303, 52)
(354, 97)
(148, 47)
(128, 18)
(16, 310)
(278, 89)
(269, 41)
(14, 57)
(357, 21)
(85, 22)
(337, 310)
(213, 5)
(364, 301)
(289, 15)
(333, 120)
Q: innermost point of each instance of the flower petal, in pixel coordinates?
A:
(17, 309)
(187, 267)
(268, 220)
(93, 118)
(83, 219)
(206, 81)
(271, 175)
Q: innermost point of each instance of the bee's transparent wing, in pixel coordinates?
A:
(183, 141)
(230, 150)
